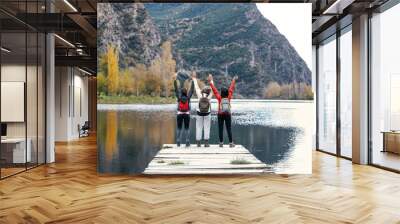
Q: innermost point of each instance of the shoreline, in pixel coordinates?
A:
(213, 101)
(172, 106)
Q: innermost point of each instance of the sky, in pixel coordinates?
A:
(294, 22)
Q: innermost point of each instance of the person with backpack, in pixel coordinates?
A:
(224, 110)
(183, 111)
(203, 118)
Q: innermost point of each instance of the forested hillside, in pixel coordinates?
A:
(154, 40)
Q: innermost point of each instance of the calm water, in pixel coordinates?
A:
(277, 133)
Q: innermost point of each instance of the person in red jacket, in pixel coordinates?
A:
(224, 109)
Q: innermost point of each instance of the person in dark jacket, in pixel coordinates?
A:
(224, 110)
(183, 96)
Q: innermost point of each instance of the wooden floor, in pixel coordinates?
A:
(10, 171)
(71, 191)
(200, 160)
(387, 159)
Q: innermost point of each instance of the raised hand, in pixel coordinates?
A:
(175, 75)
(210, 77)
(236, 77)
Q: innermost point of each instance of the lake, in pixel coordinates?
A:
(279, 133)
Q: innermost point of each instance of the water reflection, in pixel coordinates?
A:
(111, 135)
(130, 136)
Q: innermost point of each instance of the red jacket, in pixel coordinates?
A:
(218, 96)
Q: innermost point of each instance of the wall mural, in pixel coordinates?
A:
(202, 88)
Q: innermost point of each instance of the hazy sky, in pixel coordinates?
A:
(293, 21)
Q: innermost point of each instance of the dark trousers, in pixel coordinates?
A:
(183, 120)
(227, 119)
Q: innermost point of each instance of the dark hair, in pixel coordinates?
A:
(184, 91)
(206, 90)
(224, 92)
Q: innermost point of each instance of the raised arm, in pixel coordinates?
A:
(210, 95)
(214, 90)
(197, 88)
(191, 90)
(196, 85)
(232, 87)
(176, 89)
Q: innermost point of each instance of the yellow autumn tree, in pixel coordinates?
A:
(306, 91)
(154, 78)
(101, 83)
(201, 84)
(161, 71)
(139, 73)
(112, 70)
(168, 65)
(272, 91)
(289, 91)
(127, 83)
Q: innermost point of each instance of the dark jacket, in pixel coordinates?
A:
(178, 92)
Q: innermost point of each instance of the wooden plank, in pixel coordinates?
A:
(205, 171)
(215, 150)
(205, 156)
(195, 146)
(200, 160)
(213, 166)
(211, 151)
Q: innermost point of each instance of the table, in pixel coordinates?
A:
(391, 141)
(16, 147)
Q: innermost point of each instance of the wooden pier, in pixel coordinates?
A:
(200, 160)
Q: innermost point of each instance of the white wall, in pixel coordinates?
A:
(71, 102)
(62, 81)
(13, 72)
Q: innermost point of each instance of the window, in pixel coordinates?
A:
(385, 89)
(327, 96)
(22, 98)
(346, 93)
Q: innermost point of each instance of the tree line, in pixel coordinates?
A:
(290, 91)
(140, 80)
(156, 78)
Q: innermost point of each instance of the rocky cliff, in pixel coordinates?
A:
(128, 27)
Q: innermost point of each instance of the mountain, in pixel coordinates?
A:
(226, 40)
(128, 27)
